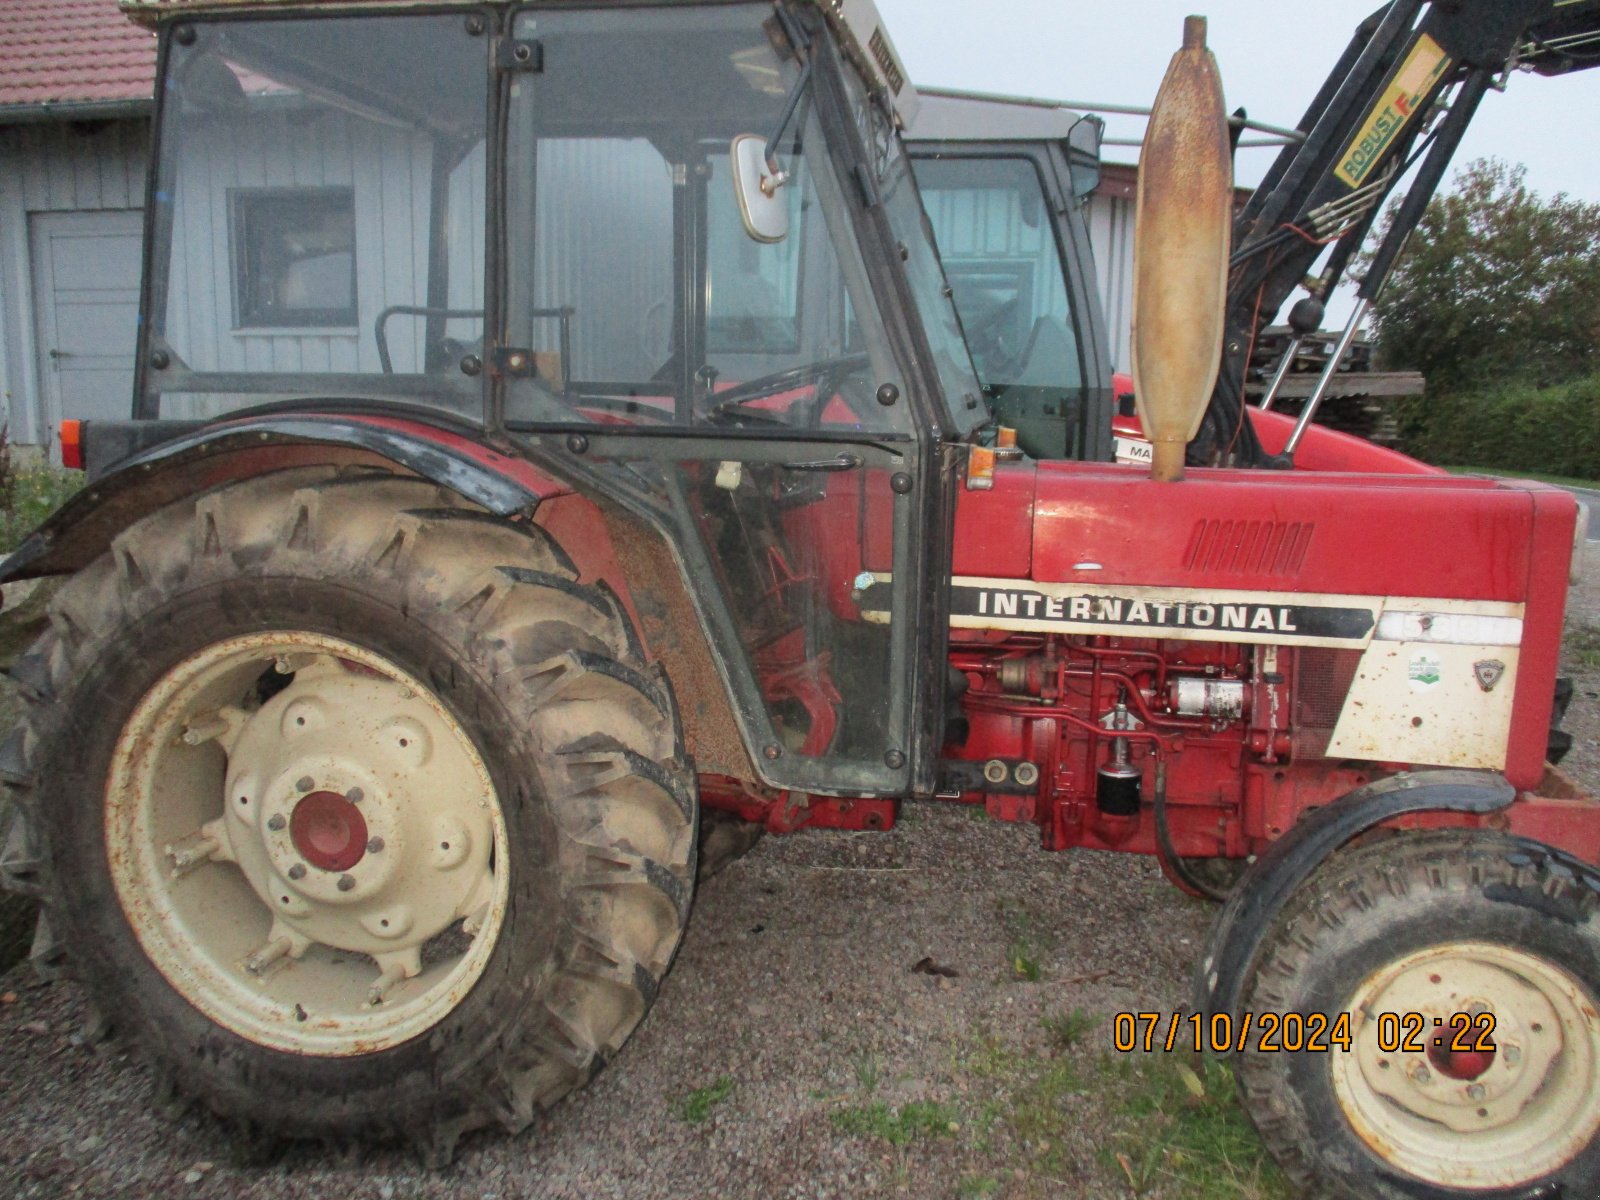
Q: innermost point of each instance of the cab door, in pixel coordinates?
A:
(761, 404)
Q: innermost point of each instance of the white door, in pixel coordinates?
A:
(86, 298)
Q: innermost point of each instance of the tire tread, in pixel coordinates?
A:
(503, 593)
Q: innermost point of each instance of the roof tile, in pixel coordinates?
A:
(65, 51)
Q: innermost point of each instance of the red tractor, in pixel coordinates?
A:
(553, 423)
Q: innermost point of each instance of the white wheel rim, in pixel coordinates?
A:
(322, 873)
(1477, 1123)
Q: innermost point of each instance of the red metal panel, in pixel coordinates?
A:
(994, 529)
(1549, 566)
(1324, 449)
(1407, 535)
(1321, 449)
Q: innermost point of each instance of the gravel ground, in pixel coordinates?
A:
(793, 982)
(1582, 662)
(795, 987)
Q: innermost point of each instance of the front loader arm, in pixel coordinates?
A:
(1401, 96)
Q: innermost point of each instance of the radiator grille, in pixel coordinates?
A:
(1322, 681)
(1250, 547)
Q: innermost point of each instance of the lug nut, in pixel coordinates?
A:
(355, 795)
(1422, 1075)
(276, 822)
(1476, 1091)
(305, 783)
(375, 845)
(346, 882)
(298, 871)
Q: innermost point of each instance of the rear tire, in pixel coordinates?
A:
(1437, 924)
(496, 757)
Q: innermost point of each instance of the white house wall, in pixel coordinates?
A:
(49, 167)
(593, 193)
(589, 194)
(45, 168)
(1111, 238)
(388, 171)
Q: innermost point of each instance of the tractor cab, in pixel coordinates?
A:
(1005, 184)
(673, 254)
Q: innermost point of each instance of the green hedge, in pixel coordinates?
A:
(1516, 427)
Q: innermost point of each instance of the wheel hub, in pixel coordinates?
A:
(1453, 1063)
(315, 871)
(370, 832)
(328, 831)
(1473, 1064)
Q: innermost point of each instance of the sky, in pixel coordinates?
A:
(1274, 54)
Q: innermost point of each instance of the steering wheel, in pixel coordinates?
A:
(824, 373)
(987, 337)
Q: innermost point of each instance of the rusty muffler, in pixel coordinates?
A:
(1180, 259)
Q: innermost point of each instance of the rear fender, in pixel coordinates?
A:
(607, 546)
(212, 454)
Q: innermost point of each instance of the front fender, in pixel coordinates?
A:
(1267, 885)
(208, 455)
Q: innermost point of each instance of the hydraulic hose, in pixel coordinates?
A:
(1164, 851)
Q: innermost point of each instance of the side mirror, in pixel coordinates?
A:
(209, 88)
(759, 189)
(1083, 155)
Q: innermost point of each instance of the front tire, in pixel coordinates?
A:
(362, 818)
(1469, 929)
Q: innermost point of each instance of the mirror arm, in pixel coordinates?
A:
(796, 94)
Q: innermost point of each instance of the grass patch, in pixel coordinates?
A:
(1022, 950)
(697, 1105)
(34, 492)
(986, 1057)
(1024, 963)
(1582, 645)
(1039, 1115)
(868, 1072)
(1069, 1028)
(898, 1126)
(1187, 1134)
(1165, 1123)
(975, 1187)
(1029, 1097)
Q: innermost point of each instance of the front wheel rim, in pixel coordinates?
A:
(1473, 1121)
(306, 843)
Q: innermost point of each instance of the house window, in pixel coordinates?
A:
(294, 257)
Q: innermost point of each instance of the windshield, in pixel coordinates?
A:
(1000, 253)
(996, 230)
(319, 217)
(896, 190)
(634, 289)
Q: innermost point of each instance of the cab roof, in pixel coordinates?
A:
(949, 116)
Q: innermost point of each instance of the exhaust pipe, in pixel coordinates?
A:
(1182, 230)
